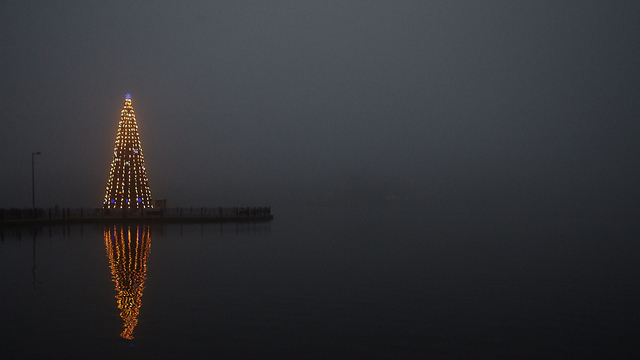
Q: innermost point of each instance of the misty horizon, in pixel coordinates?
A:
(520, 106)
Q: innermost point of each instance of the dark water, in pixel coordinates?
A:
(326, 283)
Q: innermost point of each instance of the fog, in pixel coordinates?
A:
(501, 104)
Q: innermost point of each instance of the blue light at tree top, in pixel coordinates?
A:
(128, 96)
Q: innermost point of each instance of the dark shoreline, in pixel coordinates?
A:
(101, 216)
(31, 222)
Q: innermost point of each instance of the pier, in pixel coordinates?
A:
(53, 216)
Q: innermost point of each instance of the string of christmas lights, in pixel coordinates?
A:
(128, 185)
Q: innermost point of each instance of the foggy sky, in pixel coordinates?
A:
(478, 103)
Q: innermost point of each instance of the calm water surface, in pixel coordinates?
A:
(326, 283)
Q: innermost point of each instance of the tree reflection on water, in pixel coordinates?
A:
(128, 249)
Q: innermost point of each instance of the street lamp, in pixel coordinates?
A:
(33, 184)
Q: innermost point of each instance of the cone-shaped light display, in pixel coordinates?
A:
(128, 185)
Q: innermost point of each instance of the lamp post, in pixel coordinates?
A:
(33, 185)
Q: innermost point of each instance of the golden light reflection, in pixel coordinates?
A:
(128, 249)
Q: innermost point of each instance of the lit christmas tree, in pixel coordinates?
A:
(128, 185)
